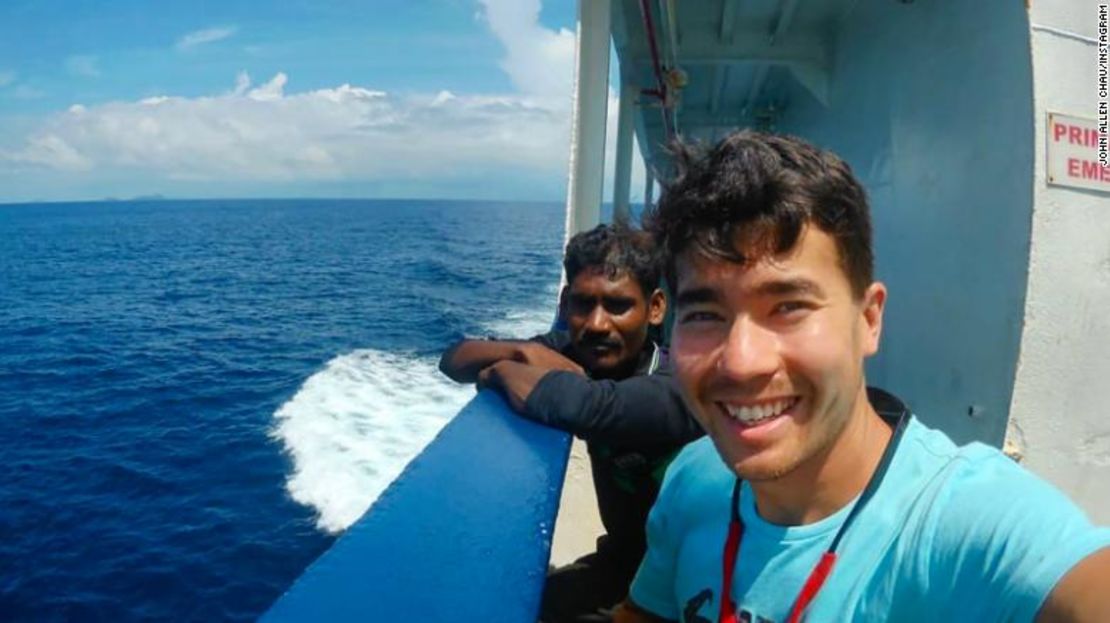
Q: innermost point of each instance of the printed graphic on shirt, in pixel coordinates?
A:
(693, 612)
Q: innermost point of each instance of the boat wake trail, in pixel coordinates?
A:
(353, 426)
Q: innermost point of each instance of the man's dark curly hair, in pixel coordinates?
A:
(750, 196)
(615, 250)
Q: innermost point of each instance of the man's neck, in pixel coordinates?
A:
(830, 480)
(638, 366)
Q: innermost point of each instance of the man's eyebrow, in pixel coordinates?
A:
(789, 287)
(694, 296)
(799, 286)
(618, 298)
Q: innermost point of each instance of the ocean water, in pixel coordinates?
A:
(196, 396)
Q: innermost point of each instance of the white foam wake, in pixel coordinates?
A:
(353, 426)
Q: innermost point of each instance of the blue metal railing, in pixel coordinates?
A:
(463, 534)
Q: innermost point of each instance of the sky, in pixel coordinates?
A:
(467, 99)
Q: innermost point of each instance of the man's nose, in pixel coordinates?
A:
(598, 321)
(750, 352)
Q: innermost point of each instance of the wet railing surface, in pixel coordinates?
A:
(464, 533)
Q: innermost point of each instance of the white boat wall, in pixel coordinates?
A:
(970, 123)
(1060, 404)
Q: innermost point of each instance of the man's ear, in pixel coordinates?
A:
(657, 307)
(563, 304)
(874, 301)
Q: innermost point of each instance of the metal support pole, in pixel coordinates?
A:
(591, 93)
(622, 178)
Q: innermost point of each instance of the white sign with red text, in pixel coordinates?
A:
(1073, 144)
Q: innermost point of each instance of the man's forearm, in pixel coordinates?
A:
(465, 360)
(641, 411)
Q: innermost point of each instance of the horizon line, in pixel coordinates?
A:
(159, 198)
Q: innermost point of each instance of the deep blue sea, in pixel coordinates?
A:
(196, 396)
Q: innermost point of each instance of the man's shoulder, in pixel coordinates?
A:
(971, 464)
(556, 339)
(982, 523)
(932, 459)
(968, 486)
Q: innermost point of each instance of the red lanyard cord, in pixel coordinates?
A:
(732, 552)
(824, 566)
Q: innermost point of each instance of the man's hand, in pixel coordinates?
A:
(535, 354)
(513, 379)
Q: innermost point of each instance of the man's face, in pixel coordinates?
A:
(608, 321)
(770, 354)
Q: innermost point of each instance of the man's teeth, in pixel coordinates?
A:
(758, 413)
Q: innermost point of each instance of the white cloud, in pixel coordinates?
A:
(6, 78)
(254, 136)
(538, 60)
(242, 83)
(83, 65)
(206, 35)
(271, 91)
(343, 133)
(53, 151)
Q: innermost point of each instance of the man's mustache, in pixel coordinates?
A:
(601, 340)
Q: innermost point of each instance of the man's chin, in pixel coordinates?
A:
(607, 367)
(761, 467)
(762, 473)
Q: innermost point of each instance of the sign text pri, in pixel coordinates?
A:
(1073, 159)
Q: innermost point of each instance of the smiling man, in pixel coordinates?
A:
(816, 498)
(604, 380)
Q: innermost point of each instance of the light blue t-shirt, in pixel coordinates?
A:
(952, 534)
